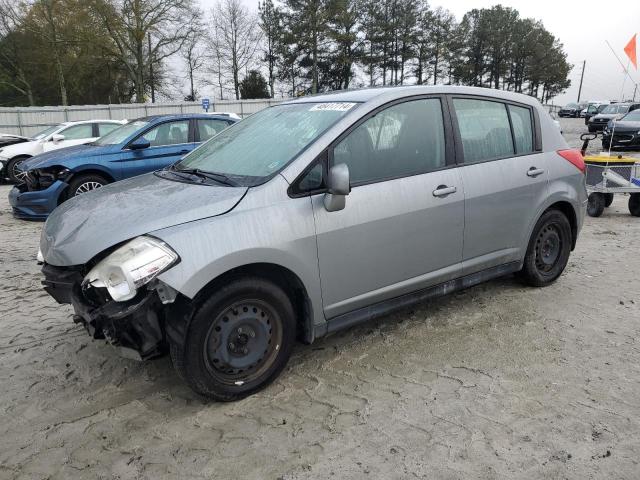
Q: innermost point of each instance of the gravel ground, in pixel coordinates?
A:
(498, 381)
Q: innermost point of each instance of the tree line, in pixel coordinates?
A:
(97, 51)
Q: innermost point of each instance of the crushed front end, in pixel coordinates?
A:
(118, 298)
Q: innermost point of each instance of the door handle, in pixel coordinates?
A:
(183, 151)
(534, 172)
(443, 191)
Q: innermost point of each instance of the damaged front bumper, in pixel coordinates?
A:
(135, 327)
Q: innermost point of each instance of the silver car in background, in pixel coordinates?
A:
(312, 216)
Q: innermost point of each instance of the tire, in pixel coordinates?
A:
(12, 168)
(548, 250)
(595, 205)
(222, 357)
(634, 204)
(608, 199)
(85, 183)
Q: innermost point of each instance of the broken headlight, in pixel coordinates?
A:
(131, 266)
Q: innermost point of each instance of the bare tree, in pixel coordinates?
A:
(236, 36)
(145, 33)
(194, 57)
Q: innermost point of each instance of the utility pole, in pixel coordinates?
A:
(634, 92)
(581, 78)
(153, 91)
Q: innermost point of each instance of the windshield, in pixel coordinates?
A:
(616, 109)
(633, 116)
(264, 143)
(120, 134)
(46, 132)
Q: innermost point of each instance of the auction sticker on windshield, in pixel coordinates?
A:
(333, 106)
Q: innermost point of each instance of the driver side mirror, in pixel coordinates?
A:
(139, 143)
(57, 138)
(338, 186)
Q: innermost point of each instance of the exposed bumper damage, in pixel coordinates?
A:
(136, 327)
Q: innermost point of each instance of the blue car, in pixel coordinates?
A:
(143, 145)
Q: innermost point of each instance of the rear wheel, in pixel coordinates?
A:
(634, 204)
(85, 183)
(595, 205)
(608, 199)
(548, 250)
(238, 341)
(13, 170)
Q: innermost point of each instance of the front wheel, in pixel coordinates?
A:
(13, 169)
(548, 250)
(85, 183)
(238, 341)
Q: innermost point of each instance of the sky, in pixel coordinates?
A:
(583, 27)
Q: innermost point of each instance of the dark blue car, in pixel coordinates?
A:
(141, 146)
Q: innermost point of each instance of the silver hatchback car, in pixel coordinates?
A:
(312, 216)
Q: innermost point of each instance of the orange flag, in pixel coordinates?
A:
(630, 50)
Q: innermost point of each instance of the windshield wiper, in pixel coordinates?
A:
(217, 177)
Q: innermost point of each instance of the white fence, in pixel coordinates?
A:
(29, 120)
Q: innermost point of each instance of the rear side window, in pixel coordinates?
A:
(522, 129)
(78, 132)
(402, 140)
(104, 128)
(207, 128)
(484, 129)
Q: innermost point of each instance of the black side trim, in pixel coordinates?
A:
(385, 307)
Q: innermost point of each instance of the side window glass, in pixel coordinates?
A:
(484, 129)
(405, 139)
(208, 128)
(104, 128)
(78, 132)
(522, 128)
(313, 180)
(170, 133)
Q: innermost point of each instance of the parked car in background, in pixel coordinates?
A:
(626, 133)
(315, 215)
(53, 138)
(7, 139)
(572, 110)
(593, 109)
(141, 146)
(610, 112)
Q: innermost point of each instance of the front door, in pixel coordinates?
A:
(505, 180)
(402, 227)
(73, 135)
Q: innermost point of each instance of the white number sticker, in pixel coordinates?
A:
(333, 106)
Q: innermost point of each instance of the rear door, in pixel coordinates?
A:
(169, 141)
(402, 227)
(504, 175)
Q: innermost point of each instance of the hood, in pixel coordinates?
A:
(12, 136)
(16, 149)
(625, 126)
(85, 226)
(59, 157)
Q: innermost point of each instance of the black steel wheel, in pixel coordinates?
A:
(634, 204)
(548, 250)
(238, 340)
(595, 204)
(608, 199)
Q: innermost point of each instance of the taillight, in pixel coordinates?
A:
(575, 157)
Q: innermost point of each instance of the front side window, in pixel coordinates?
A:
(402, 140)
(78, 132)
(261, 145)
(209, 127)
(522, 129)
(484, 129)
(169, 133)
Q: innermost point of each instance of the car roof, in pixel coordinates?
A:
(99, 120)
(182, 116)
(391, 93)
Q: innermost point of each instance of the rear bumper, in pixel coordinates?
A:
(36, 205)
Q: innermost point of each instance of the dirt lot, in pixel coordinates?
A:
(499, 381)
